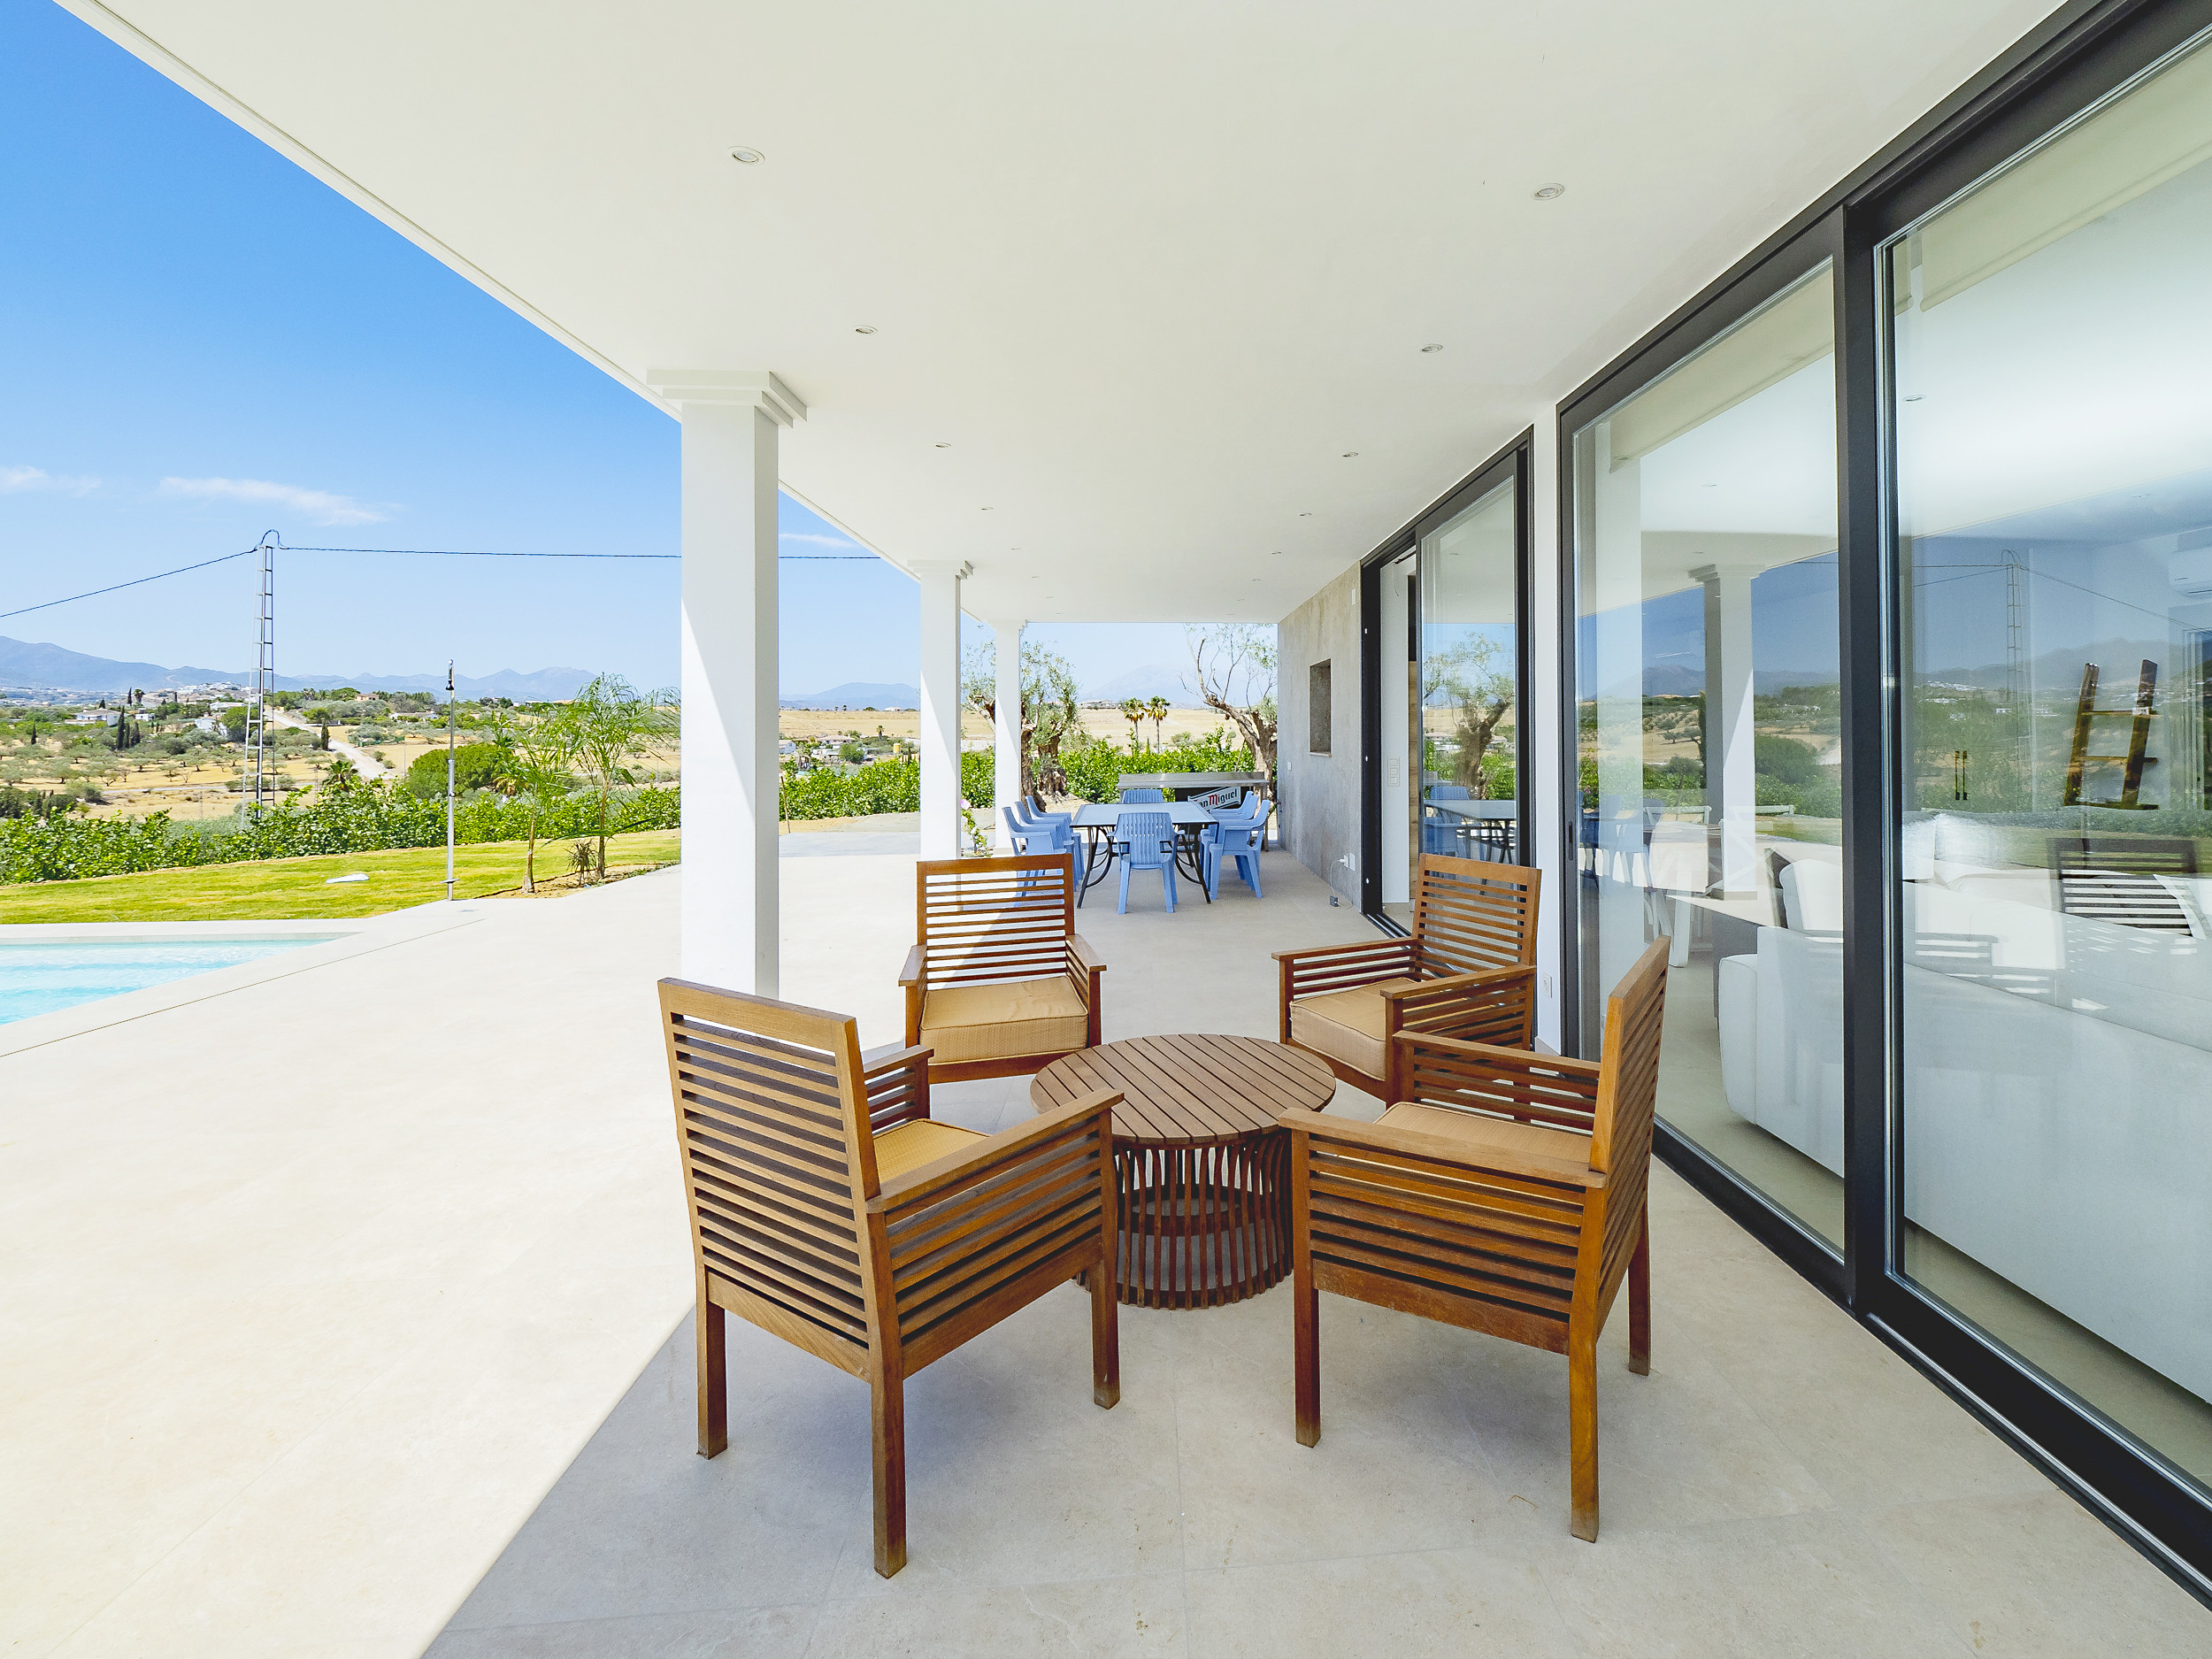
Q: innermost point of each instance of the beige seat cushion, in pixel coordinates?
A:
(1346, 1025)
(908, 1146)
(1475, 1131)
(1004, 1022)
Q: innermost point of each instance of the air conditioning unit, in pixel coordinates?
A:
(2190, 570)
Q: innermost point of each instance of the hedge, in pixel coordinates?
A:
(368, 819)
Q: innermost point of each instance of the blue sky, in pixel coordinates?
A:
(203, 342)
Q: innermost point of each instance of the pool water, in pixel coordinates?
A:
(44, 977)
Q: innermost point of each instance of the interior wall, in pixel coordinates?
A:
(1320, 793)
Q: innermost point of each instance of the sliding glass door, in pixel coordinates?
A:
(2050, 406)
(1470, 680)
(1708, 742)
(1448, 671)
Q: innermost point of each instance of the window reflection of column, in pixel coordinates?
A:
(1616, 680)
(1732, 782)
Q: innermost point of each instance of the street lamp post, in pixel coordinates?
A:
(448, 782)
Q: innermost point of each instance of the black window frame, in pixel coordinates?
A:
(2081, 53)
(1513, 461)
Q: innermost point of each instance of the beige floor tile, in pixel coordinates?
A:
(767, 1632)
(1676, 1447)
(1398, 1466)
(1015, 1475)
(1456, 1601)
(2038, 1577)
(1808, 1586)
(1091, 1620)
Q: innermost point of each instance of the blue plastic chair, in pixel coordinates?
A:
(1439, 833)
(1049, 833)
(1239, 838)
(1144, 797)
(1146, 840)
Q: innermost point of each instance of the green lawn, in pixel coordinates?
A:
(272, 889)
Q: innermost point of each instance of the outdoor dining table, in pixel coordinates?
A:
(1098, 820)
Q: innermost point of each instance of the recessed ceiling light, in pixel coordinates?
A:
(944, 446)
(983, 510)
(1915, 397)
(863, 329)
(1305, 514)
(1432, 348)
(1550, 192)
(749, 156)
(1351, 454)
(1276, 554)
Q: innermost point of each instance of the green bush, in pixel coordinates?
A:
(368, 819)
(475, 766)
(882, 786)
(1094, 765)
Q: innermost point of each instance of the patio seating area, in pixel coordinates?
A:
(238, 1435)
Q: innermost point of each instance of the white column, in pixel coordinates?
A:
(941, 705)
(1732, 782)
(1006, 761)
(730, 914)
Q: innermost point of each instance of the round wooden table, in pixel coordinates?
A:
(1201, 1168)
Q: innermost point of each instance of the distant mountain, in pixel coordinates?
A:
(858, 693)
(1672, 680)
(46, 668)
(1153, 680)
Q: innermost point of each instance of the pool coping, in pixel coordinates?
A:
(342, 937)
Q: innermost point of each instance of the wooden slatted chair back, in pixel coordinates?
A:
(779, 1159)
(1628, 1094)
(1470, 914)
(980, 921)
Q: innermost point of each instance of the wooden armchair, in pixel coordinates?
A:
(830, 1209)
(999, 983)
(1467, 970)
(1509, 1198)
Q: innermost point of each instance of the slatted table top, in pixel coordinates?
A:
(1183, 1090)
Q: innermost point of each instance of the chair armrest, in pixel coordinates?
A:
(1542, 1088)
(1493, 1005)
(1339, 967)
(995, 1155)
(1084, 967)
(1441, 1150)
(911, 974)
(894, 1080)
(1082, 955)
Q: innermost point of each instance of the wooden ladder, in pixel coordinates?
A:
(2138, 737)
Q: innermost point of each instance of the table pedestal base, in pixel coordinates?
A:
(1202, 1226)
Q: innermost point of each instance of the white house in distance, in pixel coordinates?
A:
(1619, 410)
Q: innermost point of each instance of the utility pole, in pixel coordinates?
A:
(448, 780)
(259, 781)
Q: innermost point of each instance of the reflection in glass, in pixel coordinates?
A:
(1705, 541)
(1399, 655)
(2052, 408)
(1470, 790)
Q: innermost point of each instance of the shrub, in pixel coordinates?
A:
(475, 766)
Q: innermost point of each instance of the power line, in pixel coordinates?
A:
(411, 552)
(135, 582)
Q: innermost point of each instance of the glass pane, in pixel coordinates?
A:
(1399, 665)
(2052, 412)
(1469, 791)
(1705, 547)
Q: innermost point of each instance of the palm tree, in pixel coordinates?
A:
(601, 729)
(342, 775)
(1134, 711)
(536, 770)
(1156, 707)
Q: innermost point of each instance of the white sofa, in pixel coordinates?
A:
(2058, 1075)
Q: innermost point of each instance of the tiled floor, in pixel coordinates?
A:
(1780, 1484)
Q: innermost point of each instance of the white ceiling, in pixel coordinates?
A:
(1149, 268)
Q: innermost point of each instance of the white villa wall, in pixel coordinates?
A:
(1320, 793)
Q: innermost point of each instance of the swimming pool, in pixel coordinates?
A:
(40, 979)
